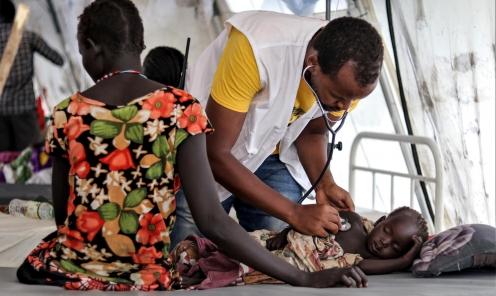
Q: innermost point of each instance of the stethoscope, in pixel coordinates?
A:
(345, 225)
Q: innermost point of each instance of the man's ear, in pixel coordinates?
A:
(312, 59)
(380, 220)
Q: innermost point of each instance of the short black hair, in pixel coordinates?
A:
(350, 39)
(164, 64)
(422, 230)
(7, 11)
(113, 23)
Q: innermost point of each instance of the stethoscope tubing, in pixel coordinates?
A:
(334, 132)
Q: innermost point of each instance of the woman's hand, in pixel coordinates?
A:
(337, 277)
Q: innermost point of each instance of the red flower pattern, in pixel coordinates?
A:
(146, 255)
(80, 105)
(75, 127)
(154, 273)
(160, 104)
(151, 230)
(183, 95)
(90, 223)
(73, 238)
(77, 159)
(119, 160)
(193, 119)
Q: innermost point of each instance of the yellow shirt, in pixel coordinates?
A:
(237, 80)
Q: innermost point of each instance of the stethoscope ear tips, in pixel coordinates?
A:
(339, 146)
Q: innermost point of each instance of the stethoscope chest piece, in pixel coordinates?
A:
(345, 225)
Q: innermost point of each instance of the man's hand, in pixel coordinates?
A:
(315, 219)
(335, 196)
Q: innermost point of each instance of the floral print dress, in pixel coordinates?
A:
(122, 185)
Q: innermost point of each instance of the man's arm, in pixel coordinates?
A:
(228, 171)
(311, 146)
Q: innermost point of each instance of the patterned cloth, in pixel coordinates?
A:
(308, 253)
(18, 95)
(122, 185)
(198, 257)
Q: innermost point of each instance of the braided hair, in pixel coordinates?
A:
(164, 64)
(422, 230)
(350, 39)
(115, 23)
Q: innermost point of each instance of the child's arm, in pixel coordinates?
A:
(382, 266)
(279, 241)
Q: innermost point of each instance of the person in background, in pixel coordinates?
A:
(121, 149)
(261, 80)
(19, 126)
(164, 64)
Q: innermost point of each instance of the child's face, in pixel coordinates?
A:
(392, 237)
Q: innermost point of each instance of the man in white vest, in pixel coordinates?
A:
(258, 80)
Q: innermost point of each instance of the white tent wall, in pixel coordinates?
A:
(447, 59)
(446, 50)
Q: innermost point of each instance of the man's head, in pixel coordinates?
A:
(7, 11)
(106, 29)
(346, 59)
(392, 236)
(164, 64)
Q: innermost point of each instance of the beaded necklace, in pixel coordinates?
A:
(106, 76)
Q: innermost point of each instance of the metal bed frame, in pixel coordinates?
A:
(415, 179)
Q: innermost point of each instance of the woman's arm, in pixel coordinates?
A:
(60, 188)
(215, 224)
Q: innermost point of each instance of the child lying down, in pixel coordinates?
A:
(390, 244)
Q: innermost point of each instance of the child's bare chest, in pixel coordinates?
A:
(354, 240)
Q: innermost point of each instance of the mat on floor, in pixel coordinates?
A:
(472, 283)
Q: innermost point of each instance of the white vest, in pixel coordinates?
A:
(279, 43)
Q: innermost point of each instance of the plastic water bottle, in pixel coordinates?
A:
(31, 209)
(45, 211)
